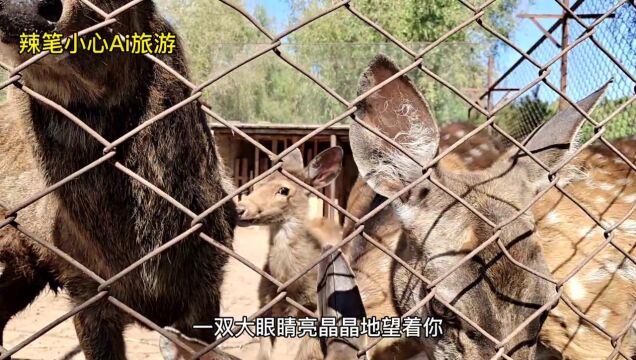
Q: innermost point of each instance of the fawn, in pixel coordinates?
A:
(295, 240)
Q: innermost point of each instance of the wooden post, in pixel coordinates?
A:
(490, 80)
(274, 145)
(237, 169)
(257, 162)
(565, 35)
(244, 170)
(332, 187)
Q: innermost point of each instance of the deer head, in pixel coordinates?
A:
(277, 198)
(438, 231)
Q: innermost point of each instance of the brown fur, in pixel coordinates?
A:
(27, 267)
(564, 331)
(604, 288)
(437, 231)
(105, 219)
(477, 152)
(295, 241)
(374, 285)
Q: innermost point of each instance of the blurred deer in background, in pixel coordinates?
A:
(431, 231)
(295, 240)
(603, 289)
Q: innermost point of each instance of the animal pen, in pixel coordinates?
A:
(244, 161)
(589, 42)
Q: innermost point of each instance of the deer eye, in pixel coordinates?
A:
(283, 191)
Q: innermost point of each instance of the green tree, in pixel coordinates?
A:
(339, 45)
(335, 49)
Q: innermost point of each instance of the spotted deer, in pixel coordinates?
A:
(295, 240)
(602, 289)
(107, 219)
(431, 231)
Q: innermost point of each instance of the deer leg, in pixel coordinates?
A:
(309, 349)
(207, 309)
(17, 290)
(100, 329)
(266, 293)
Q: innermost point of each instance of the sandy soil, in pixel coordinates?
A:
(239, 298)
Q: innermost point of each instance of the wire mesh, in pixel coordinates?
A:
(590, 37)
(606, 55)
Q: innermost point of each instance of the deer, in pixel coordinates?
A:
(431, 231)
(603, 289)
(295, 240)
(26, 268)
(479, 153)
(107, 219)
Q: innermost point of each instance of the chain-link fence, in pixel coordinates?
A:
(588, 36)
(587, 66)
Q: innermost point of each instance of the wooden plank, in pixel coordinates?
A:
(237, 167)
(244, 170)
(257, 156)
(333, 141)
(264, 164)
(560, 16)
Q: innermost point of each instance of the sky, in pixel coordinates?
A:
(278, 9)
(524, 36)
(527, 32)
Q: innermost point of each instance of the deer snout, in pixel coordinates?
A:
(28, 16)
(245, 215)
(240, 210)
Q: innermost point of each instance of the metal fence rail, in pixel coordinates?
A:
(607, 54)
(589, 31)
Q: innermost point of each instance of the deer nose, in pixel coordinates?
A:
(240, 210)
(28, 16)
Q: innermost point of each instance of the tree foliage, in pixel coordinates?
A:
(334, 49)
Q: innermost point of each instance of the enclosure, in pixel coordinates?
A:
(273, 77)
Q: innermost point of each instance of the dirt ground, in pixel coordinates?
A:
(239, 298)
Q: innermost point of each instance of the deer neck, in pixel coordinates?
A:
(287, 233)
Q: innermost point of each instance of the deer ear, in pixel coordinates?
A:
(293, 162)
(557, 137)
(400, 112)
(325, 167)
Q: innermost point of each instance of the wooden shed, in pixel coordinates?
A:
(244, 161)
